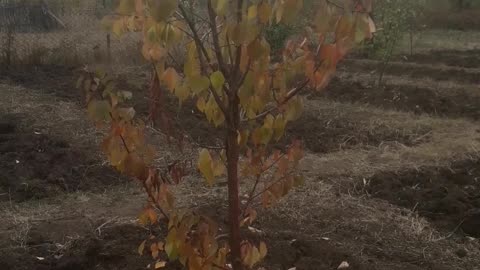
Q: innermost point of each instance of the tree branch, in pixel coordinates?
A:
(216, 42)
(293, 92)
(201, 49)
(198, 42)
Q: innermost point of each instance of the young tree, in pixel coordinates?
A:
(229, 73)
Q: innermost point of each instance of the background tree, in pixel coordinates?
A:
(394, 19)
(229, 72)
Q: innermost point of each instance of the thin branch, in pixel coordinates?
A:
(257, 181)
(216, 42)
(293, 92)
(195, 37)
(229, 48)
(200, 49)
(269, 187)
(238, 56)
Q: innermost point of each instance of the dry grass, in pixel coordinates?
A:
(427, 40)
(447, 141)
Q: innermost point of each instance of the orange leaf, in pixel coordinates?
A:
(264, 11)
(170, 77)
(154, 250)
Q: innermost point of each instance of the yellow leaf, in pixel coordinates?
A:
(153, 52)
(182, 92)
(171, 244)
(294, 109)
(219, 168)
(220, 6)
(170, 77)
(141, 248)
(262, 135)
(160, 10)
(198, 84)
(242, 137)
(262, 250)
(205, 166)
(201, 104)
(126, 7)
(160, 264)
(99, 110)
(119, 27)
(291, 9)
(268, 122)
(213, 112)
(344, 27)
(217, 80)
(252, 12)
(264, 11)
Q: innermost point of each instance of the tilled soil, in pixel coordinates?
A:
(36, 165)
(404, 98)
(450, 197)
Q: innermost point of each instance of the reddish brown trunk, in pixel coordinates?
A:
(233, 183)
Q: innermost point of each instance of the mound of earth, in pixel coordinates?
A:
(450, 197)
(36, 165)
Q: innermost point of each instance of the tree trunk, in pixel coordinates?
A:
(233, 153)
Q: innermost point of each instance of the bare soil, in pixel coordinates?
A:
(372, 196)
(450, 197)
(36, 165)
(410, 98)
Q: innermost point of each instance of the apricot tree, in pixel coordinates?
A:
(230, 75)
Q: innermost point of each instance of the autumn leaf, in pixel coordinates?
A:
(205, 165)
(141, 248)
(220, 6)
(171, 78)
(160, 264)
(99, 110)
(264, 11)
(160, 10)
(154, 250)
(262, 250)
(294, 109)
(217, 80)
(252, 13)
(126, 7)
(198, 84)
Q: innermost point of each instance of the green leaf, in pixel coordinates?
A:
(217, 80)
